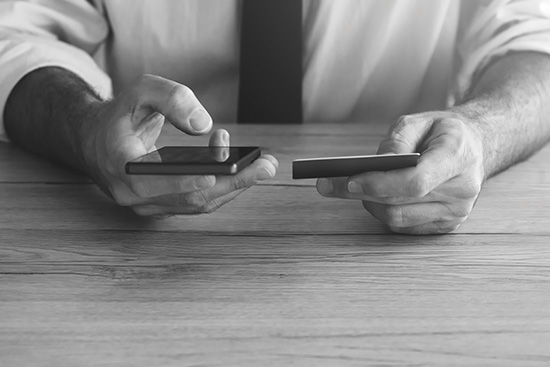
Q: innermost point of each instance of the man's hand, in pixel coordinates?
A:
(128, 127)
(438, 194)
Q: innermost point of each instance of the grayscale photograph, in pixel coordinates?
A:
(211, 183)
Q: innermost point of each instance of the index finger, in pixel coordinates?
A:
(441, 161)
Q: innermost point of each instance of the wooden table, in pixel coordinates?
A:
(279, 277)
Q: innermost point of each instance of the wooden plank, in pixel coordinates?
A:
(17, 165)
(502, 208)
(142, 298)
(280, 276)
(285, 142)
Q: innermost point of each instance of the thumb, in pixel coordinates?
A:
(174, 101)
(406, 135)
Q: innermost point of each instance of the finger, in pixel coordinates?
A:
(261, 169)
(444, 158)
(164, 211)
(342, 187)
(386, 185)
(175, 101)
(219, 154)
(151, 186)
(219, 145)
(406, 135)
(152, 127)
(217, 203)
(219, 138)
(429, 228)
(148, 186)
(450, 151)
(413, 215)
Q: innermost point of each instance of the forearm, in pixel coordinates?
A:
(510, 107)
(49, 113)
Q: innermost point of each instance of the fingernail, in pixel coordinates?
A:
(263, 174)
(355, 187)
(226, 138)
(199, 120)
(325, 186)
(202, 182)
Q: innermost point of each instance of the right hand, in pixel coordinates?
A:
(128, 126)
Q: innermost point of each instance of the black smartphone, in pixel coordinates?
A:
(350, 166)
(194, 161)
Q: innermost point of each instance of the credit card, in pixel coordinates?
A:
(351, 165)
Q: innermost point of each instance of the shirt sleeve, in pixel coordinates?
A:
(40, 33)
(495, 28)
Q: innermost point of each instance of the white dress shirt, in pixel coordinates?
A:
(363, 59)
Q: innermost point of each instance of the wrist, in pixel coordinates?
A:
(86, 138)
(474, 115)
(60, 126)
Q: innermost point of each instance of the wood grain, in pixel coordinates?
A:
(265, 209)
(285, 142)
(141, 298)
(278, 277)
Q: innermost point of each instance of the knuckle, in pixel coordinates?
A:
(419, 185)
(408, 120)
(442, 227)
(238, 182)
(374, 188)
(448, 228)
(462, 211)
(122, 195)
(458, 212)
(396, 131)
(123, 200)
(394, 216)
(456, 133)
(458, 136)
(111, 168)
(179, 93)
(194, 200)
(405, 120)
(470, 189)
(140, 189)
(396, 136)
(405, 131)
(140, 211)
(452, 124)
(211, 207)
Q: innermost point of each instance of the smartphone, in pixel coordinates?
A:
(352, 165)
(194, 161)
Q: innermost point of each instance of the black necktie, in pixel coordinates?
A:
(270, 89)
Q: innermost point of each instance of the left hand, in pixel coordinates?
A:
(434, 197)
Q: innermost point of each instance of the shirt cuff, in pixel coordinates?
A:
(22, 54)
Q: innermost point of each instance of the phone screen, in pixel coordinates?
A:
(194, 160)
